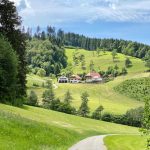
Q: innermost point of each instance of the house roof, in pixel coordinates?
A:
(93, 75)
(63, 77)
(76, 77)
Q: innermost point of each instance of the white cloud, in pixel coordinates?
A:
(19, 3)
(56, 11)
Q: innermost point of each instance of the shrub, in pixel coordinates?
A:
(97, 114)
(32, 99)
(41, 72)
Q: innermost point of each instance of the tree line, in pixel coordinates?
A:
(121, 46)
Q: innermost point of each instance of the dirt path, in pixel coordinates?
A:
(91, 143)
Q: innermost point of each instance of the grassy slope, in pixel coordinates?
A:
(35, 127)
(125, 142)
(104, 61)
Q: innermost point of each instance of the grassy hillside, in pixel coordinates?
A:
(100, 94)
(125, 142)
(36, 128)
(135, 88)
(104, 61)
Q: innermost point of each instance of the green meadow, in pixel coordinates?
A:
(125, 142)
(104, 61)
(37, 128)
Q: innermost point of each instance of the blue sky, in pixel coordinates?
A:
(125, 19)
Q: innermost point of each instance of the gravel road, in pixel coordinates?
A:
(91, 143)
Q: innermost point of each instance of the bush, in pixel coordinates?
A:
(97, 114)
(66, 108)
(41, 72)
(132, 117)
(33, 99)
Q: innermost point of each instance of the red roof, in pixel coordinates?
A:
(93, 75)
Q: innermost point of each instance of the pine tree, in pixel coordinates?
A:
(84, 109)
(33, 99)
(48, 95)
(128, 63)
(114, 54)
(68, 98)
(91, 66)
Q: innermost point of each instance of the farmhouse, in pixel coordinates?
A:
(93, 77)
(63, 79)
(75, 79)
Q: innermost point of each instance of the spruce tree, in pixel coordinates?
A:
(48, 95)
(128, 63)
(68, 98)
(33, 99)
(84, 109)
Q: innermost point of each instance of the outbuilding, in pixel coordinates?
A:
(63, 79)
(75, 79)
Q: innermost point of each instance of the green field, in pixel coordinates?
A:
(36, 128)
(125, 142)
(100, 94)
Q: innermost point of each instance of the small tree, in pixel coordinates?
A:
(33, 99)
(98, 50)
(97, 114)
(148, 63)
(84, 109)
(49, 84)
(146, 121)
(91, 65)
(68, 98)
(48, 96)
(41, 72)
(128, 63)
(116, 67)
(114, 54)
(124, 71)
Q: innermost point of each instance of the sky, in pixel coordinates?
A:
(121, 19)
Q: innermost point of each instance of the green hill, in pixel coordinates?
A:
(36, 128)
(103, 61)
(100, 94)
